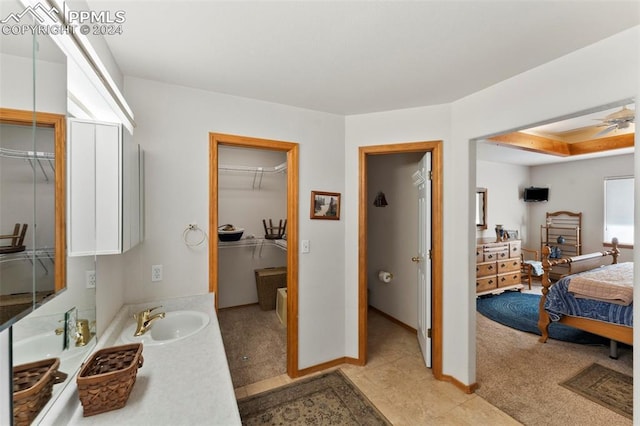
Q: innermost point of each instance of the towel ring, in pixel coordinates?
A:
(193, 227)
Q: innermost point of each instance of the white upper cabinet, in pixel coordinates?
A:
(104, 193)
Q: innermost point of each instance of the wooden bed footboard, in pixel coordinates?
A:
(577, 264)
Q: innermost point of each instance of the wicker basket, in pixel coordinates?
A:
(32, 388)
(268, 281)
(106, 379)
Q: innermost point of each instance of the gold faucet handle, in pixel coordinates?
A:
(144, 314)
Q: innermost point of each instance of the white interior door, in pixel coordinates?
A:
(423, 182)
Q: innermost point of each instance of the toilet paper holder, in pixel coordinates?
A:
(385, 276)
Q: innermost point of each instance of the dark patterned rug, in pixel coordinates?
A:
(327, 399)
(604, 386)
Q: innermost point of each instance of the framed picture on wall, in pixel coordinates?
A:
(325, 205)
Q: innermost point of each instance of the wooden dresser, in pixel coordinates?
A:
(497, 267)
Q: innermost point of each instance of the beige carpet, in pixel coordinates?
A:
(255, 343)
(522, 377)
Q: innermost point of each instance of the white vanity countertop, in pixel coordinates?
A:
(186, 382)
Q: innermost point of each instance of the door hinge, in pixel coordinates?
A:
(428, 333)
(429, 254)
(430, 175)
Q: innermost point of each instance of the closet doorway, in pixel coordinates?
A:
(217, 140)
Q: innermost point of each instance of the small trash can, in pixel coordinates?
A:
(268, 281)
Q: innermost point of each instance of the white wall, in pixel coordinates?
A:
(578, 186)
(410, 125)
(504, 183)
(596, 75)
(391, 235)
(16, 84)
(173, 128)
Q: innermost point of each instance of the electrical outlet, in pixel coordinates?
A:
(90, 279)
(156, 273)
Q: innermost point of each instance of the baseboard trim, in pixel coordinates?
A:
(325, 365)
(394, 320)
(237, 306)
(465, 388)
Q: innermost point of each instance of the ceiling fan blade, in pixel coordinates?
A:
(605, 131)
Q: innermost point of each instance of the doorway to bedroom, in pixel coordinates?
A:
(575, 184)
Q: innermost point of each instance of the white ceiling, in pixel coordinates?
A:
(353, 57)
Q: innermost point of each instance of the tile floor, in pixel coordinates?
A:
(399, 385)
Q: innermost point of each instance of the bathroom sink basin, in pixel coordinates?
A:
(42, 346)
(176, 325)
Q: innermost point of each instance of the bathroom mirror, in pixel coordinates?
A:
(481, 208)
(33, 84)
(32, 198)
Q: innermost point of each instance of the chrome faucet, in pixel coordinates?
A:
(145, 319)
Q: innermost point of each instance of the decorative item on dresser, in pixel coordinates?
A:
(498, 267)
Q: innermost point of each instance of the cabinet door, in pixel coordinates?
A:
(81, 154)
(131, 193)
(108, 173)
(95, 188)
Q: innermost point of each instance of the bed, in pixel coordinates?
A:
(609, 316)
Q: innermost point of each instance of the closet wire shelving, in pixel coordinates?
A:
(39, 254)
(37, 160)
(33, 158)
(258, 172)
(256, 243)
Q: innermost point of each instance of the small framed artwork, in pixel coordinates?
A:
(512, 234)
(325, 205)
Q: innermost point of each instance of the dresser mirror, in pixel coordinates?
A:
(481, 208)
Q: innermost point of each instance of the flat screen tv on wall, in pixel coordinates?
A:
(534, 194)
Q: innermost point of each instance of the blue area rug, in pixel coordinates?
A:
(520, 311)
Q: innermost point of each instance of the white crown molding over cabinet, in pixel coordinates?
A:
(104, 175)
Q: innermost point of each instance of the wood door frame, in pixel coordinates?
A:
(292, 151)
(57, 122)
(435, 147)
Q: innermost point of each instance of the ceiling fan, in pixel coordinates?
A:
(617, 120)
